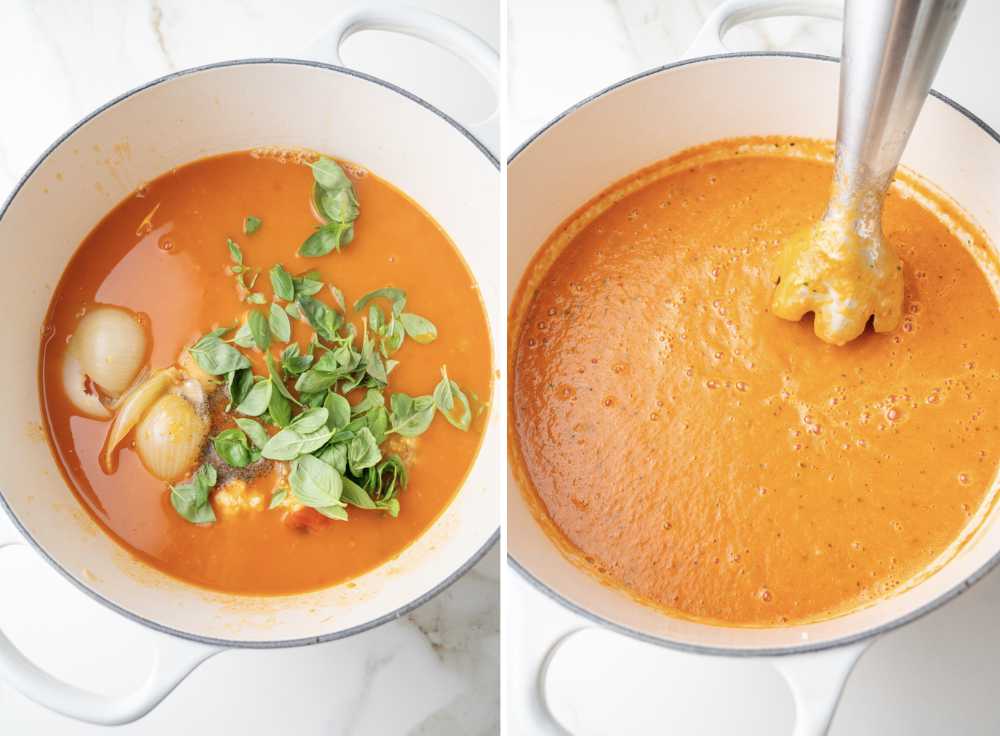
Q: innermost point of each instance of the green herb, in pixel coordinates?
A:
(373, 398)
(293, 311)
(281, 328)
(232, 446)
(251, 224)
(396, 296)
(308, 284)
(363, 451)
(253, 430)
(281, 282)
(336, 201)
(338, 296)
(257, 400)
(335, 455)
(280, 408)
(216, 357)
(278, 379)
(420, 329)
(310, 420)
(452, 403)
(323, 319)
(235, 254)
(259, 329)
(355, 495)
(238, 385)
(190, 499)
(289, 444)
(338, 411)
(277, 498)
(411, 416)
(316, 484)
(257, 298)
(293, 362)
(244, 337)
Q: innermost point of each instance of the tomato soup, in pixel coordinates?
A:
(296, 358)
(717, 462)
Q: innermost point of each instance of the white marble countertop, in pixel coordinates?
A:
(933, 677)
(435, 671)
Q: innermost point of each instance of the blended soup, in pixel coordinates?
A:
(294, 427)
(722, 464)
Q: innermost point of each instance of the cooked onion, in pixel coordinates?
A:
(110, 345)
(131, 408)
(82, 396)
(169, 437)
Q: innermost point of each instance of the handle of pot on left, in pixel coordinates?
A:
(427, 26)
(173, 660)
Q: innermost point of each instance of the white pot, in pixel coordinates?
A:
(643, 120)
(137, 137)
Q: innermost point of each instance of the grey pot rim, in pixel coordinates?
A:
(400, 611)
(865, 635)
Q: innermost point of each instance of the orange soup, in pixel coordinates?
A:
(725, 465)
(266, 373)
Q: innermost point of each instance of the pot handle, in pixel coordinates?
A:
(734, 12)
(173, 660)
(425, 25)
(817, 680)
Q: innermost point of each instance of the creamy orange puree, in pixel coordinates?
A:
(721, 463)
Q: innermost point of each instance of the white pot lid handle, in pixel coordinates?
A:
(734, 12)
(173, 660)
(425, 25)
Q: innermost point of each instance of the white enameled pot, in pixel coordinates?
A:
(169, 122)
(647, 118)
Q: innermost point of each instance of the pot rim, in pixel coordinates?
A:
(895, 623)
(156, 626)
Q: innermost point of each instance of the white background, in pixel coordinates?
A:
(433, 672)
(938, 676)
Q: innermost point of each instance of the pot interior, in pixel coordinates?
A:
(646, 120)
(188, 116)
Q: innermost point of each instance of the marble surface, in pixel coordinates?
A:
(435, 671)
(935, 676)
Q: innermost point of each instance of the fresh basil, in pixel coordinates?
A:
(337, 513)
(323, 319)
(315, 484)
(293, 362)
(257, 298)
(335, 455)
(281, 282)
(338, 410)
(216, 357)
(328, 238)
(308, 284)
(373, 398)
(411, 416)
(238, 385)
(396, 296)
(279, 407)
(338, 296)
(244, 337)
(289, 444)
(251, 224)
(355, 495)
(280, 326)
(191, 500)
(420, 329)
(232, 446)
(257, 400)
(256, 433)
(363, 451)
(278, 498)
(310, 420)
(450, 400)
(259, 329)
(278, 379)
(377, 420)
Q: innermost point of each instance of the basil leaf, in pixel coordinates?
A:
(259, 329)
(306, 285)
(335, 456)
(338, 296)
(257, 400)
(339, 206)
(251, 224)
(279, 407)
(315, 483)
(323, 319)
(289, 444)
(253, 430)
(293, 311)
(393, 339)
(391, 506)
(257, 298)
(293, 362)
(328, 174)
(310, 420)
(372, 399)
(243, 336)
(191, 500)
(314, 380)
(235, 254)
(321, 242)
(396, 296)
(377, 420)
(363, 451)
(337, 513)
(216, 357)
(281, 328)
(278, 379)
(411, 416)
(231, 445)
(355, 495)
(338, 411)
(277, 498)
(238, 384)
(419, 328)
(450, 399)
(281, 282)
